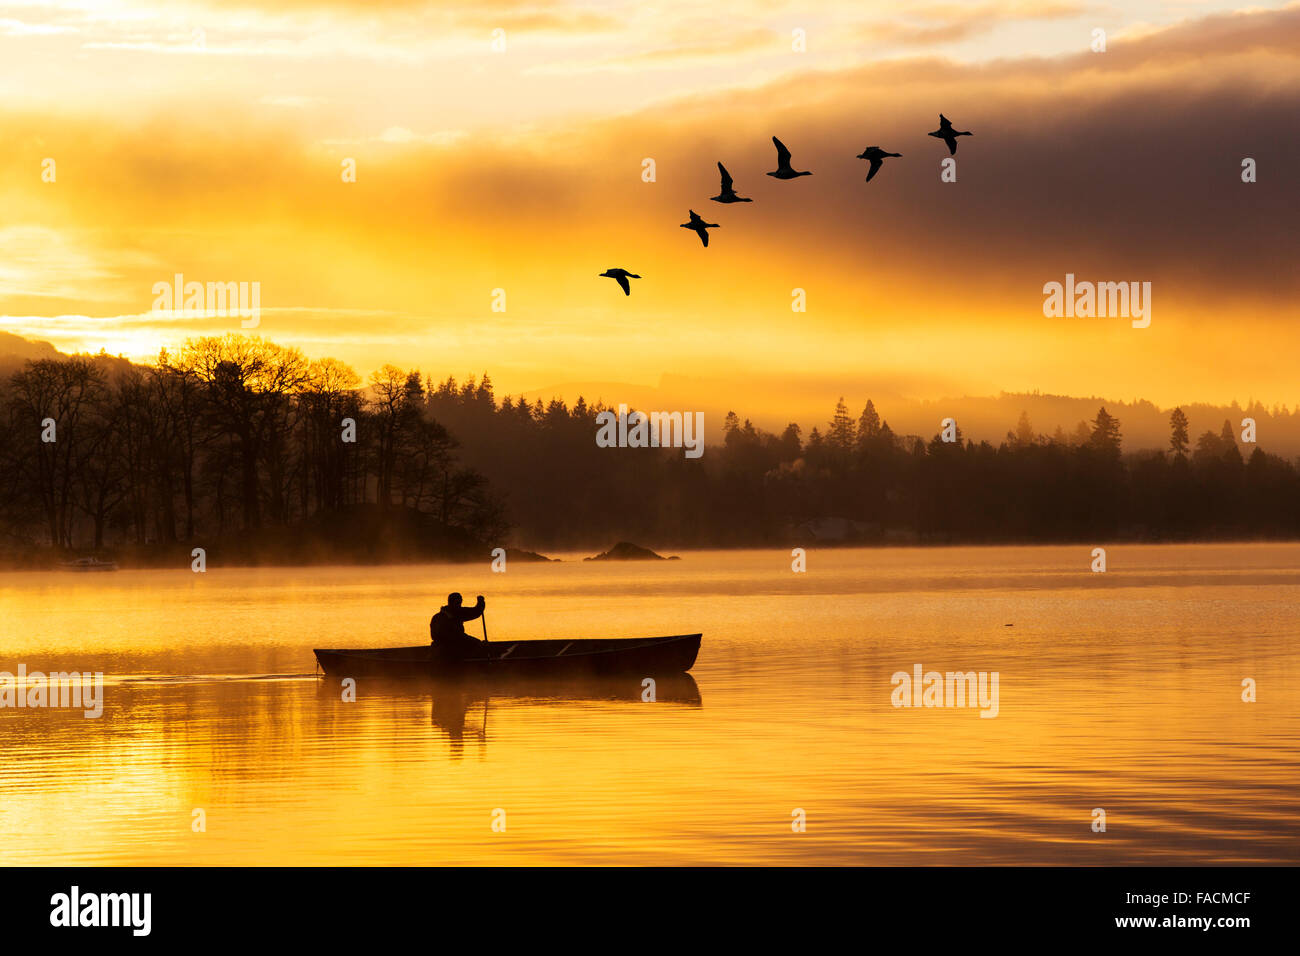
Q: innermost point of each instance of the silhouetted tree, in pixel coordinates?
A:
(840, 434)
(1178, 433)
(1105, 436)
(1024, 433)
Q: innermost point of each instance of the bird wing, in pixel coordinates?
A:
(622, 280)
(726, 178)
(704, 236)
(944, 122)
(782, 154)
(696, 221)
(875, 166)
(952, 144)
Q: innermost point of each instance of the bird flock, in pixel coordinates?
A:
(874, 155)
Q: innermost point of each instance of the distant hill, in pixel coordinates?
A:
(15, 350)
(1143, 424)
(981, 418)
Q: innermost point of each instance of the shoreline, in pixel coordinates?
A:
(51, 561)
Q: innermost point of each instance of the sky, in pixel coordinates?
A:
(208, 139)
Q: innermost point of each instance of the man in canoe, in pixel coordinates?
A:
(447, 629)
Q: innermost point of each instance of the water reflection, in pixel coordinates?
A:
(460, 708)
(1120, 691)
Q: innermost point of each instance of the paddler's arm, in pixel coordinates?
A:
(467, 614)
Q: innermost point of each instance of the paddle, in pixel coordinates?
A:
(490, 658)
(486, 650)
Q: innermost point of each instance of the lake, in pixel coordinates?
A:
(1119, 691)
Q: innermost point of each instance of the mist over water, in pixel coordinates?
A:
(1119, 691)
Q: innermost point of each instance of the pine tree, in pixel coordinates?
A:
(1023, 436)
(1105, 433)
(730, 427)
(1178, 439)
(791, 446)
(840, 434)
(1228, 440)
(869, 423)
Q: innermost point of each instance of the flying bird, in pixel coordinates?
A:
(877, 157)
(949, 135)
(726, 193)
(783, 168)
(621, 276)
(700, 226)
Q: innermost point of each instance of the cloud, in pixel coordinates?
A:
(536, 21)
(289, 101)
(18, 28)
(38, 262)
(402, 135)
(940, 23)
(699, 45)
(1115, 166)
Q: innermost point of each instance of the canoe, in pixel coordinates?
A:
(645, 656)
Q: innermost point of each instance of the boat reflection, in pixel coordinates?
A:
(460, 708)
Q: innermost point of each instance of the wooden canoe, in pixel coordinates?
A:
(644, 656)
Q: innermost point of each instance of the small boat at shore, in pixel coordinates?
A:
(638, 655)
(88, 564)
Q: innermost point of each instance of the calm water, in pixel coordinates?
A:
(1119, 691)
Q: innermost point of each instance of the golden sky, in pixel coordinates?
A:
(206, 139)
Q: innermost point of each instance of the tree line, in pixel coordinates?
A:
(233, 439)
(762, 488)
(237, 439)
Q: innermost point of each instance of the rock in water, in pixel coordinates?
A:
(518, 554)
(626, 551)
